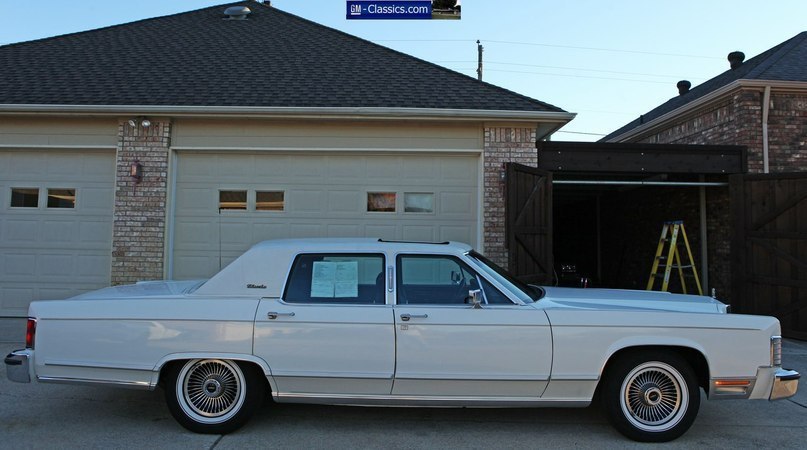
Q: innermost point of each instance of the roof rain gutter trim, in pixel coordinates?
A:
(385, 113)
(704, 100)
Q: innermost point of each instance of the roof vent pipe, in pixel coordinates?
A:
(683, 87)
(736, 59)
(237, 12)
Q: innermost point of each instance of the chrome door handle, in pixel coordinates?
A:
(274, 315)
(406, 317)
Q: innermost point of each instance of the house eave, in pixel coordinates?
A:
(663, 120)
(291, 112)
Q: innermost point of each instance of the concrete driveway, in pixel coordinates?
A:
(62, 416)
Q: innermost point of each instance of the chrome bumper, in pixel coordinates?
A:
(17, 366)
(785, 384)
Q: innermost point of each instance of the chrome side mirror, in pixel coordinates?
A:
(476, 298)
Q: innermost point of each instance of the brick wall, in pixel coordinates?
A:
(138, 236)
(787, 132)
(502, 145)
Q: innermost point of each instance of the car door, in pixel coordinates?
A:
(447, 348)
(331, 334)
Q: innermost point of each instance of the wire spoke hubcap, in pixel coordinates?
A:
(212, 390)
(654, 396)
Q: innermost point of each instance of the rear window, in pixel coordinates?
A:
(337, 279)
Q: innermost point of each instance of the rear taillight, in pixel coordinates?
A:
(30, 333)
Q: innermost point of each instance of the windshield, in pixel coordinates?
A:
(525, 292)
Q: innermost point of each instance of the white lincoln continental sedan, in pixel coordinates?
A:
(373, 322)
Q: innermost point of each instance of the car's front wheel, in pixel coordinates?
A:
(651, 396)
(213, 396)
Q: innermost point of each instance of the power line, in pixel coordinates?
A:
(580, 132)
(572, 68)
(540, 44)
(574, 76)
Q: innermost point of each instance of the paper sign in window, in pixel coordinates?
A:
(335, 279)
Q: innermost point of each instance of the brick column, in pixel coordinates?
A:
(138, 236)
(502, 145)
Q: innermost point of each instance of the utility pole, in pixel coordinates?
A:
(479, 49)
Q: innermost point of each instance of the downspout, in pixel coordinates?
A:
(766, 104)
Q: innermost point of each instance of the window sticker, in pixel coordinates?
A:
(335, 279)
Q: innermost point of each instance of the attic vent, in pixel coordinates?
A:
(683, 87)
(237, 12)
(736, 59)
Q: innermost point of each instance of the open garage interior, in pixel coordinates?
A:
(610, 203)
(607, 235)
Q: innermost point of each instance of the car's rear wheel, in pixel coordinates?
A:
(650, 396)
(213, 396)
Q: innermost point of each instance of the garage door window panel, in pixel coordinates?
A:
(270, 201)
(441, 280)
(234, 200)
(419, 202)
(337, 279)
(61, 198)
(24, 197)
(381, 202)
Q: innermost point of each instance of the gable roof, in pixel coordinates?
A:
(785, 62)
(271, 59)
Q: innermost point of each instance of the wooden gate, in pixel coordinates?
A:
(529, 223)
(769, 248)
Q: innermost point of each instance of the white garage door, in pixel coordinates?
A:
(55, 225)
(226, 203)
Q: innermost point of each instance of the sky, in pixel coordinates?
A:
(606, 61)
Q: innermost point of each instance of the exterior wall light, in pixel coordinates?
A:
(136, 171)
(142, 121)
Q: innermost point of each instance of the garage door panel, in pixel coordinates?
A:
(94, 233)
(383, 170)
(265, 231)
(14, 300)
(94, 200)
(345, 202)
(193, 200)
(26, 166)
(344, 231)
(60, 231)
(460, 233)
(460, 172)
(324, 195)
(91, 267)
(418, 233)
(306, 230)
(306, 201)
(56, 266)
(455, 203)
(21, 231)
(19, 266)
(387, 232)
(52, 253)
